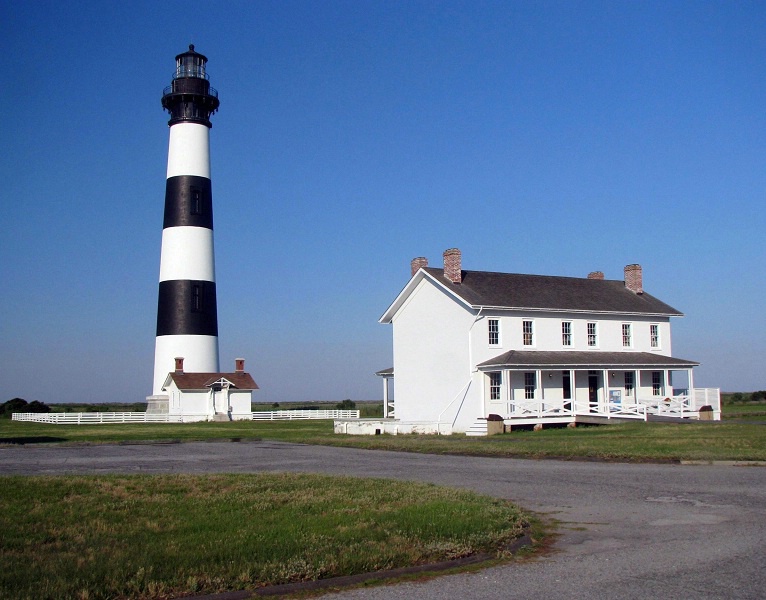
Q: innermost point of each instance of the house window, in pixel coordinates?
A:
(529, 386)
(566, 385)
(494, 331)
(628, 383)
(495, 381)
(654, 335)
(592, 335)
(627, 335)
(566, 333)
(528, 331)
(656, 383)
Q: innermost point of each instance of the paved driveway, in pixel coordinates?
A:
(628, 531)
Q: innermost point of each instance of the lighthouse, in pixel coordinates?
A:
(187, 314)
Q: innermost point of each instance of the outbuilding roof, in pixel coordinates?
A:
(547, 292)
(584, 359)
(201, 381)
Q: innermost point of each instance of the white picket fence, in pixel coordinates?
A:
(95, 418)
(289, 415)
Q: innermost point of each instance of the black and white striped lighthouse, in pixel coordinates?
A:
(187, 316)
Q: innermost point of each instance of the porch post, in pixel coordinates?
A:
(539, 382)
(539, 375)
(385, 397)
(690, 378)
(605, 388)
(572, 391)
(665, 384)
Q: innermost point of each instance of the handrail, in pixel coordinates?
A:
(464, 388)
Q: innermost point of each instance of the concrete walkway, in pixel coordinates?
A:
(632, 531)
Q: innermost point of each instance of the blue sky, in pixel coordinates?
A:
(538, 137)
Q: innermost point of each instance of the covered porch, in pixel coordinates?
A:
(531, 387)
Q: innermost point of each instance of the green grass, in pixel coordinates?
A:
(625, 442)
(749, 411)
(163, 536)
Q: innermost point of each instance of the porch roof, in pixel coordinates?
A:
(584, 360)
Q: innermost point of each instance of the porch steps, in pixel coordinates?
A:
(221, 417)
(478, 428)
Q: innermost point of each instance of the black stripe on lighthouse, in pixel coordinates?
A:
(188, 202)
(187, 307)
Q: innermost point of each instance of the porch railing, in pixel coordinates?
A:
(539, 408)
(682, 406)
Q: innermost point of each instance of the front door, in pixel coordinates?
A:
(593, 392)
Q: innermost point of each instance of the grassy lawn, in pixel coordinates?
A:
(163, 536)
(626, 442)
(748, 412)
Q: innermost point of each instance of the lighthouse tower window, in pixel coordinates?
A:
(196, 298)
(196, 201)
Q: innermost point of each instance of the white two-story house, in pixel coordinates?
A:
(531, 349)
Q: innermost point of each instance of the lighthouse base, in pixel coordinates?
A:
(158, 404)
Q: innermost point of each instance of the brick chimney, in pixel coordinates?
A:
(239, 365)
(596, 275)
(453, 265)
(179, 364)
(417, 264)
(634, 279)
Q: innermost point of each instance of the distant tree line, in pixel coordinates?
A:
(742, 397)
(19, 405)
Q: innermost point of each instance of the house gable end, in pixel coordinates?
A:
(411, 287)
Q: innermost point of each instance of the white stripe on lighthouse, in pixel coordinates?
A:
(200, 354)
(187, 253)
(189, 150)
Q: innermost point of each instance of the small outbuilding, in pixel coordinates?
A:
(207, 396)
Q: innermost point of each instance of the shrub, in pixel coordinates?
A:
(13, 405)
(347, 404)
(17, 405)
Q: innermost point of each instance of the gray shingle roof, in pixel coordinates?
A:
(574, 358)
(539, 292)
